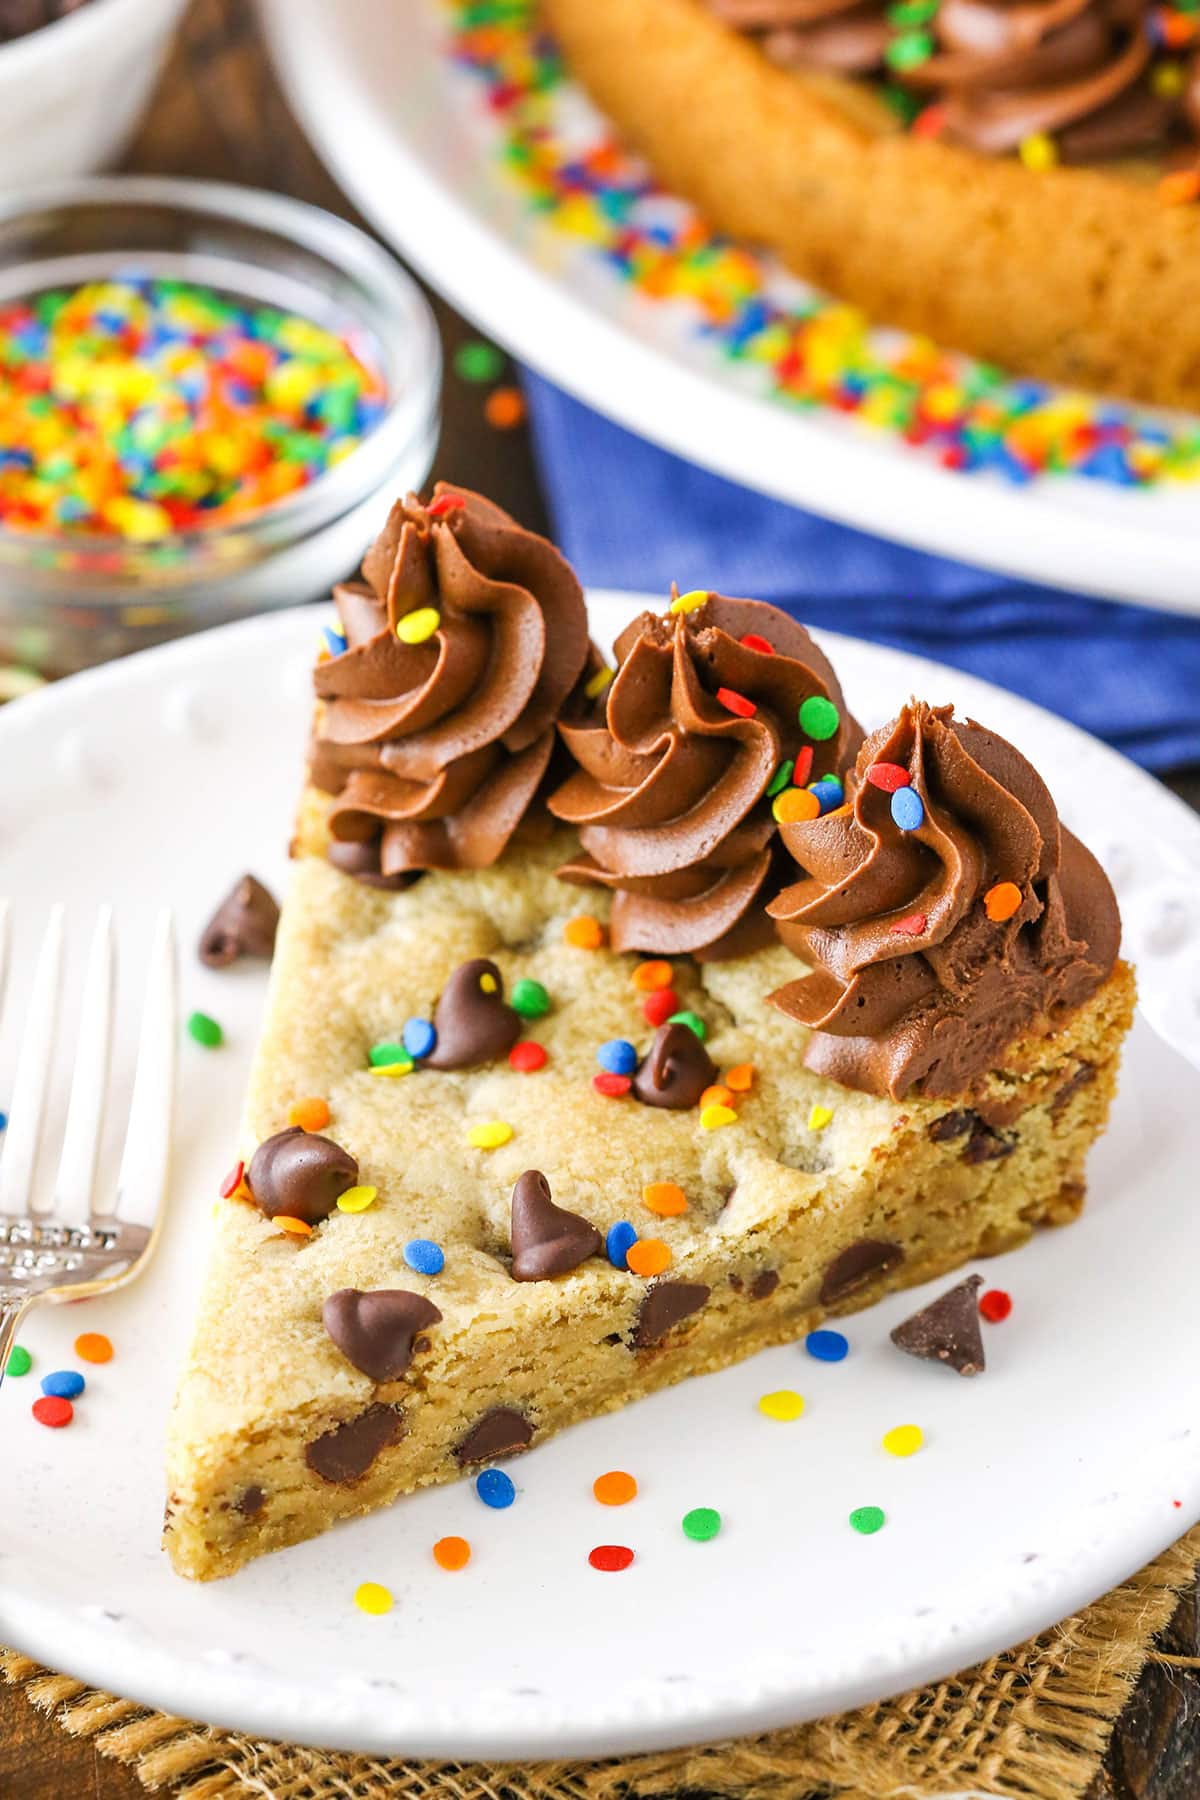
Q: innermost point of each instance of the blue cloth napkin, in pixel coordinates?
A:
(629, 515)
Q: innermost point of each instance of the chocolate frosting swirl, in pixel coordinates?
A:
(917, 986)
(435, 749)
(1001, 70)
(670, 792)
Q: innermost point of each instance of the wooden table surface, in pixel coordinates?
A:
(219, 113)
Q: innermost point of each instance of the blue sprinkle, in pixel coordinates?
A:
(423, 1255)
(495, 1488)
(908, 810)
(618, 1056)
(827, 1346)
(335, 643)
(619, 1242)
(65, 1384)
(829, 792)
(419, 1037)
(3, 1120)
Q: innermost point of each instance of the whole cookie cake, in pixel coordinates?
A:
(1019, 179)
(623, 1021)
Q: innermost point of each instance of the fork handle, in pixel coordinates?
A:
(12, 1311)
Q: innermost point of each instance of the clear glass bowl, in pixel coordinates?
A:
(70, 600)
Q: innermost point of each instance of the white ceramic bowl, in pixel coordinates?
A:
(72, 94)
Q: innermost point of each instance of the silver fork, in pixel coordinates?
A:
(76, 1243)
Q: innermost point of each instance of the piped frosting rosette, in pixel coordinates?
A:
(715, 709)
(437, 720)
(944, 911)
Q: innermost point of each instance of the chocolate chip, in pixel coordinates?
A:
(736, 1283)
(362, 861)
(675, 1070)
(952, 1125)
(546, 1239)
(250, 1502)
(473, 1021)
(666, 1304)
(375, 1331)
(1084, 1073)
(300, 1175)
(855, 1265)
(947, 1330)
(764, 1285)
(347, 1452)
(500, 1432)
(986, 1145)
(243, 925)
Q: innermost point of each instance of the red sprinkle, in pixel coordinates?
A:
(527, 1057)
(437, 509)
(657, 1008)
(995, 1305)
(233, 1180)
(888, 776)
(913, 926)
(930, 123)
(53, 1411)
(752, 641)
(610, 1557)
(611, 1086)
(803, 768)
(736, 703)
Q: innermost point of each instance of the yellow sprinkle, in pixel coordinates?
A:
(903, 1440)
(784, 1403)
(1038, 152)
(598, 682)
(416, 626)
(794, 806)
(391, 1070)
(491, 1135)
(1168, 80)
(487, 983)
(295, 1227)
(819, 1117)
(369, 1597)
(713, 1117)
(685, 603)
(357, 1199)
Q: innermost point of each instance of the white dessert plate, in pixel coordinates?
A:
(1071, 1462)
(414, 143)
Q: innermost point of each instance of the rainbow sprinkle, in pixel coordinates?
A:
(814, 352)
(138, 409)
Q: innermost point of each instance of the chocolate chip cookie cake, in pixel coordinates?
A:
(622, 1022)
(1019, 179)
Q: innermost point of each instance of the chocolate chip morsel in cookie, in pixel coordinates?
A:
(546, 1239)
(856, 1264)
(347, 1452)
(300, 1175)
(473, 1021)
(947, 1330)
(244, 924)
(675, 1070)
(375, 1331)
(666, 1305)
(500, 1432)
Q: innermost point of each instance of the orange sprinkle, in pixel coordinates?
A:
(1179, 188)
(740, 1078)
(795, 804)
(309, 1115)
(93, 1347)
(615, 1489)
(664, 1198)
(649, 1256)
(452, 1553)
(1002, 901)
(297, 1227)
(584, 932)
(650, 977)
(504, 408)
(717, 1095)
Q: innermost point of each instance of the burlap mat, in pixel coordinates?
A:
(1031, 1724)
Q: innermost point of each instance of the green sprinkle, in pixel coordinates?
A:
(692, 1020)
(702, 1523)
(867, 1519)
(529, 998)
(909, 50)
(206, 1031)
(476, 361)
(912, 12)
(819, 718)
(19, 1362)
(382, 1056)
(903, 103)
(780, 779)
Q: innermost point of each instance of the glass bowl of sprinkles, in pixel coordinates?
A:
(208, 398)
